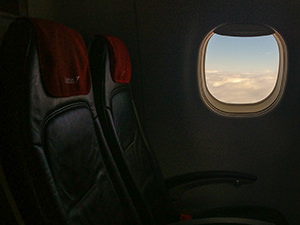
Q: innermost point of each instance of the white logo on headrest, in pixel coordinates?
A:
(72, 80)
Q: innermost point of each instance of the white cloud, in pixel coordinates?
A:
(211, 71)
(248, 73)
(267, 71)
(241, 88)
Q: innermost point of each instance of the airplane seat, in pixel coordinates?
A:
(53, 151)
(113, 106)
(111, 71)
(122, 129)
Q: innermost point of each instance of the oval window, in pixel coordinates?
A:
(242, 72)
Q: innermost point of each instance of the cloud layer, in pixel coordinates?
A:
(241, 87)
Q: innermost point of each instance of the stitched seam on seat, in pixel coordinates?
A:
(129, 146)
(133, 141)
(78, 203)
(117, 90)
(147, 180)
(91, 189)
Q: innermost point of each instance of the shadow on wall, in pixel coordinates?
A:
(9, 11)
(4, 23)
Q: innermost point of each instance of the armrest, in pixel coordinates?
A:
(191, 180)
(223, 220)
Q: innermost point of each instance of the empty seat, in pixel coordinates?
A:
(52, 148)
(111, 73)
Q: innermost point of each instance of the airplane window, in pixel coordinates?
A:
(242, 75)
(241, 70)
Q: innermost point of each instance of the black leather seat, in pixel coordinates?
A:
(111, 71)
(52, 148)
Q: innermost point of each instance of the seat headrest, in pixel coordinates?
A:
(63, 59)
(120, 65)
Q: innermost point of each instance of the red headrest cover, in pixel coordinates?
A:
(120, 65)
(63, 58)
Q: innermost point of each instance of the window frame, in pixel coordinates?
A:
(244, 109)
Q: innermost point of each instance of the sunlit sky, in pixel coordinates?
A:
(241, 69)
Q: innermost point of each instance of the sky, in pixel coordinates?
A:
(241, 69)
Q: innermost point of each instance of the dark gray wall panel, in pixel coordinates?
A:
(187, 136)
(184, 133)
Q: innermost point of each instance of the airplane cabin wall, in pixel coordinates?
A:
(164, 38)
(187, 136)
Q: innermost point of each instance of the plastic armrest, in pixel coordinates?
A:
(191, 180)
(223, 220)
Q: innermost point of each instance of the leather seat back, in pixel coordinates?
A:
(54, 155)
(111, 72)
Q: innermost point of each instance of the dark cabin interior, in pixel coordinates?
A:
(163, 38)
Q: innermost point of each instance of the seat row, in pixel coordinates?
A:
(73, 148)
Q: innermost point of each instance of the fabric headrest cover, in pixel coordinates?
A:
(120, 65)
(63, 59)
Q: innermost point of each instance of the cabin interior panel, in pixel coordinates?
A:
(163, 38)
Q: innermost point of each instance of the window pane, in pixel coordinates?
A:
(241, 70)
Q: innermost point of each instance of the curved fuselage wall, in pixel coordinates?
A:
(164, 39)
